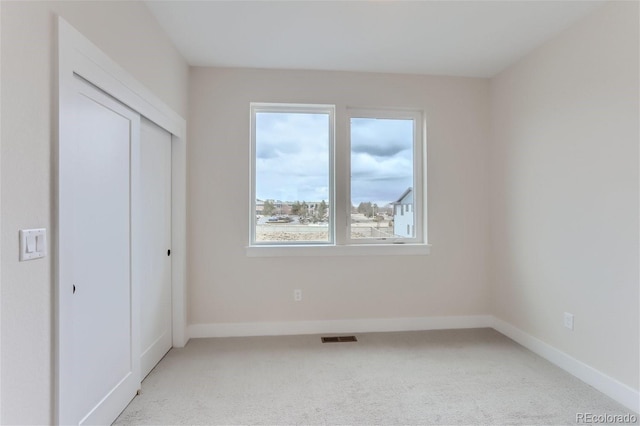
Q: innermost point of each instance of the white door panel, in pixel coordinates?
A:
(99, 327)
(155, 262)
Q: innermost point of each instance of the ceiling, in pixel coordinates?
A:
(461, 38)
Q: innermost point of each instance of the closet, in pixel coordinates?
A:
(115, 246)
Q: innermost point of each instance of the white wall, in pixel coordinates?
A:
(128, 33)
(226, 286)
(564, 192)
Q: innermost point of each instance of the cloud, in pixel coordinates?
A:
(381, 159)
(292, 162)
(364, 166)
(292, 151)
(386, 150)
(266, 152)
(380, 192)
(381, 137)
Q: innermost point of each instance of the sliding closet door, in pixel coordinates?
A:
(155, 260)
(99, 325)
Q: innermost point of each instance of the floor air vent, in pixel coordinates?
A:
(339, 339)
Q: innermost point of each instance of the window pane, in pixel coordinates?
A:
(292, 177)
(382, 178)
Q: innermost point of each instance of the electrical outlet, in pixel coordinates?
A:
(568, 320)
(297, 295)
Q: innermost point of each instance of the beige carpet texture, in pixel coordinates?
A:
(453, 377)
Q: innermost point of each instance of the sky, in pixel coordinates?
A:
(381, 159)
(292, 158)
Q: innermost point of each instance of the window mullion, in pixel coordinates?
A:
(341, 179)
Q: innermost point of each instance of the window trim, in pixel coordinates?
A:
(340, 242)
(419, 172)
(266, 107)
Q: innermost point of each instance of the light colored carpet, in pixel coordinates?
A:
(431, 377)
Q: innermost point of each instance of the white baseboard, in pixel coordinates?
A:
(609, 386)
(337, 326)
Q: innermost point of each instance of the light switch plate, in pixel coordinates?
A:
(33, 244)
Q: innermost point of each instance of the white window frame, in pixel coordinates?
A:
(340, 242)
(259, 107)
(419, 154)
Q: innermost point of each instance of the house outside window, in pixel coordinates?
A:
(403, 223)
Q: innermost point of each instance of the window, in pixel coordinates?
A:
(386, 175)
(292, 162)
(299, 198)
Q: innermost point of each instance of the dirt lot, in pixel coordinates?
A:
(299, 236)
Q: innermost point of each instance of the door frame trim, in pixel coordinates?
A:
(77, 55)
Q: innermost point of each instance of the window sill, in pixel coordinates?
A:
(333, 250)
